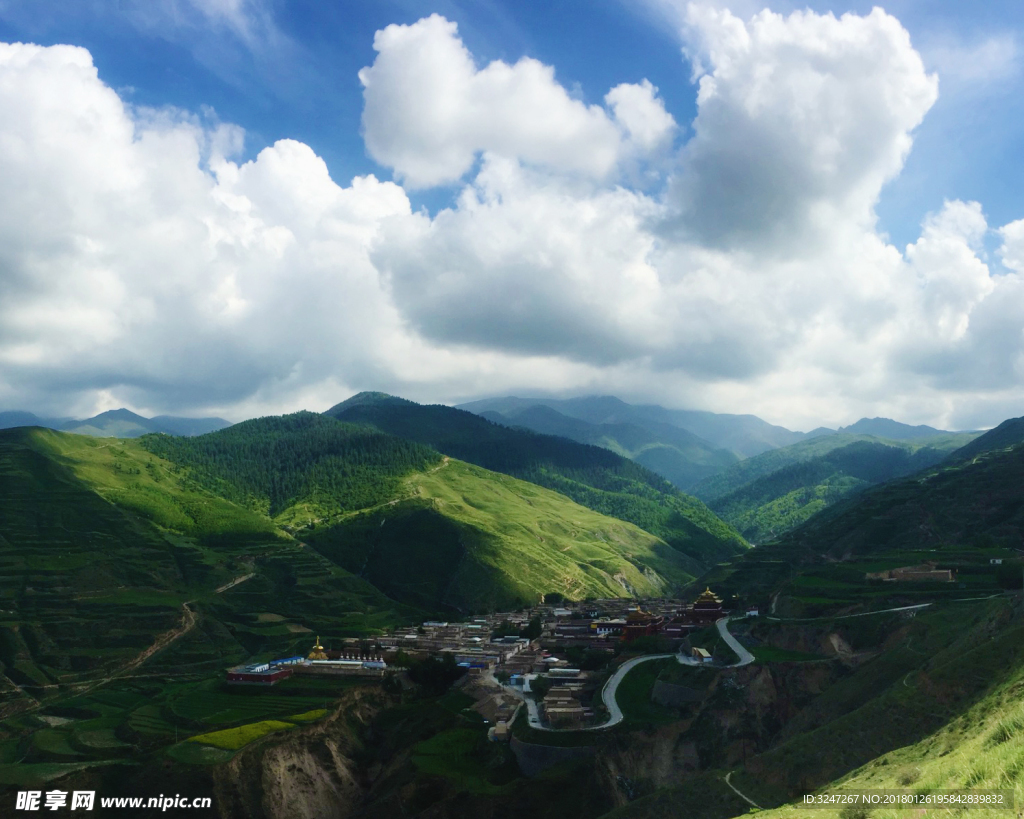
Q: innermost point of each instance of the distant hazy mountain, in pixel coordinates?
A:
(119, 423)
(177, 425)
(670, 451)
(742, 435)
(17, 418)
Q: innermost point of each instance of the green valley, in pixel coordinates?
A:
(767, 495)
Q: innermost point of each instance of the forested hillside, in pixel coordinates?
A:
(1007, 434)
(106, 545)
(955, 515)
(270, 464)
(430, 532)
(466, 539)
(776, 502)
(769, 494)
(592, 476)
(746, 472)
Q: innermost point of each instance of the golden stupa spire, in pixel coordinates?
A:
(318, 652)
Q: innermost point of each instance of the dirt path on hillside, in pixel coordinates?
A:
(232, 583)
(11, 708)
(444, 463)
(189, 618)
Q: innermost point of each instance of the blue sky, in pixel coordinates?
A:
(290, 71)
(303, 84)
(301, 81)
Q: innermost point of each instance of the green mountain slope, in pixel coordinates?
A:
(102, 543)
(469, 539)
(953, 504)
(958, 516)
(429, 532)
(751, 469)
(771, 493)
(126, 590)
(1007, 434)
(668, 450)
(70, 561)
(780, 500)
(592, 476)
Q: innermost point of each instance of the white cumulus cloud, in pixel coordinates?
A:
(586, 249)
(429, 111)
(801, 120)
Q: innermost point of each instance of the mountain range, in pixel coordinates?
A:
(960, 509)
(119, 423)
(761, 478)
(710, 455)
(742, 435)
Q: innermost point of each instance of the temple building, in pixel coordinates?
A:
(707, 608)
(640, 623)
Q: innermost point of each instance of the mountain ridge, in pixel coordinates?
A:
(676, 454)
(593, 476)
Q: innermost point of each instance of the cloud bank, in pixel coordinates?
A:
(735, 265)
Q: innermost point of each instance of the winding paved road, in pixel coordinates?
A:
(745, 657)
(612, 685)
(740, 793)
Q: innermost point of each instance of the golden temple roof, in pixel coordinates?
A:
(708, 596)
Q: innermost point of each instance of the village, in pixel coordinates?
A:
(553, 655)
